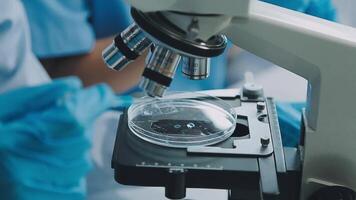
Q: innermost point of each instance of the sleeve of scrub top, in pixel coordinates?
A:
(110, 17)
(60, 27)
(18, 66)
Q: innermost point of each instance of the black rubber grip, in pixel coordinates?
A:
(120, 44)
(157, 77)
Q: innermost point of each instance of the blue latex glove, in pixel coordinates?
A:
(45, 139)
(319, 8)
(290, 117)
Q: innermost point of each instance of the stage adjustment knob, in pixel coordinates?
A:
(176, 186)
(333, 193)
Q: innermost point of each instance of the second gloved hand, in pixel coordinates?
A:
(45, 137)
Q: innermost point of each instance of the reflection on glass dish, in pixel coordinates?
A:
(182, 120)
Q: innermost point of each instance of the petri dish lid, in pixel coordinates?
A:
(182, 120)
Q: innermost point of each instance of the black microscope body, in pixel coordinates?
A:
(252, 164)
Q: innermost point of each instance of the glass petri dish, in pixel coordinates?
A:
(182, 120)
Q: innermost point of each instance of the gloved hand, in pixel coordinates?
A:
(290, 117)
(319, 8)
(45, 139)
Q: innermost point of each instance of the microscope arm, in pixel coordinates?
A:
(324, 53)
(308, 46)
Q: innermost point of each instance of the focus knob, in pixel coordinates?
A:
(333, 193)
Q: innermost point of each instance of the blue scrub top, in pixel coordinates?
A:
(70, 27)
(110, 17)
(59, 27)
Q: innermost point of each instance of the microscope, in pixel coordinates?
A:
(193, 31)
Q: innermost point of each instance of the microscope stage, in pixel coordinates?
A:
(249, 159)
